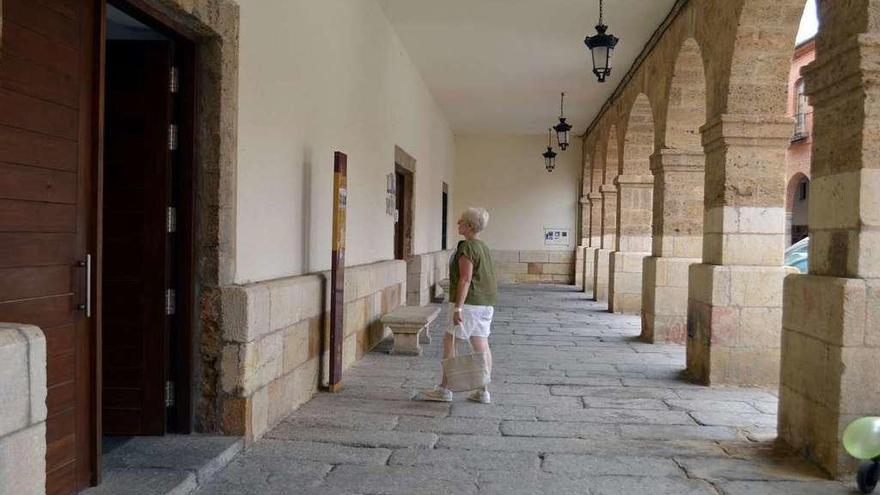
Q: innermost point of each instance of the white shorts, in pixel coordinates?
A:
(476, 321)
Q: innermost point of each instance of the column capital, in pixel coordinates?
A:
(677, 160)
(765, 130)
(608, 189)
(634, 181)
(585, 200)
(841, 69)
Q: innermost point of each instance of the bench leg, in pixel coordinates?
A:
(407, 344)
(425, 335)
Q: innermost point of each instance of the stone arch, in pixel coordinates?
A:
(761, 56)
(686, 99)
(612, 157)
(639, 141)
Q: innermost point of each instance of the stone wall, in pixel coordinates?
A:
(273, 339)
(423, 275)
(534, 267)
(22, 409)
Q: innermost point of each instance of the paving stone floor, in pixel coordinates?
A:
(580, 407)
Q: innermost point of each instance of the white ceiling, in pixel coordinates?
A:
(498, 66)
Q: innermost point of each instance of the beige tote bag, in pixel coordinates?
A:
(467, 372)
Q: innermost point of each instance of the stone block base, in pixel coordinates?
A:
(589, 268)
(601, 267)
(534, 267)
(665, 299)
(625, 282)
(734, 324)
(579, 267)
(830, 366)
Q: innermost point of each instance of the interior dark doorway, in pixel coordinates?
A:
(146, 212)
(445, 218)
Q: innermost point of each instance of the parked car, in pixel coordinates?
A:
(797, 255)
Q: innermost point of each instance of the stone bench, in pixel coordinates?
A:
(407, 323)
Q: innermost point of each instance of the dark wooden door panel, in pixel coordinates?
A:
(136, 255)
(35, 282)
(33, 114)
(36, 249)
(39, 50)
(37, 184)
(17, 146)
(32, 216)
(47, 121)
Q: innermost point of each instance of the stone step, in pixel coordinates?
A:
(168, 465)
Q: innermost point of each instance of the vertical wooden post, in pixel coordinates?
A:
(337, 267)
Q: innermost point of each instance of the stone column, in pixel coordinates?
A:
(735, 295)
(607, 241)
(580, 251)
(594, 241)
(633, 243)
(677, 243)
(831, 319)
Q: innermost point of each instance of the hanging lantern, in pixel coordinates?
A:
(563, 128)
(601, 45)
(549, 155)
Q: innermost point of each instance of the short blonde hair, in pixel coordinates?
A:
(477, 218)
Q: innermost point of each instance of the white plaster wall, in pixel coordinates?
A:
(316, 77)
(506, 175)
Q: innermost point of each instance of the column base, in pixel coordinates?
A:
(579, 267)
(625, 282)
(665, 299)
(601, 265)
(830, 368)
(589, 269)
(734, 324)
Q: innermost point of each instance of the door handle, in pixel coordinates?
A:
(87, 307)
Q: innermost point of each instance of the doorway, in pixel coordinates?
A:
(146, 269)
(403, 190)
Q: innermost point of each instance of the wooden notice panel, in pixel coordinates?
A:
(337, 267)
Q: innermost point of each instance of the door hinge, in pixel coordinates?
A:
(171, 219)
(169, 394)
(172, 137)
(174, 80)
(170, 301)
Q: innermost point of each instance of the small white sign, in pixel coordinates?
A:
(557, 237)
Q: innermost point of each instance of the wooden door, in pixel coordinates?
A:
(47, 116)
(136, 261)
(400, 201)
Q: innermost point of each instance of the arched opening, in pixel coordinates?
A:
(797, 208)
(639, 142)
(687, 99)
(612, 158)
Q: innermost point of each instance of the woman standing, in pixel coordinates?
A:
(472, 290)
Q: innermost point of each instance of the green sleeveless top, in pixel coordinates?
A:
(483, 287)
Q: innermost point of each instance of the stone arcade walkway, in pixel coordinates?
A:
(580, 407)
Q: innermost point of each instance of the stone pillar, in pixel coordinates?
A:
(831, 323)
(735, 294)
(584, 242)
(633, 243)
(22, 410)
(677, 243)
(595, 240)
(606, 245)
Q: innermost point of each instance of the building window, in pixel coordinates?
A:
(803, 190)
(800, 111)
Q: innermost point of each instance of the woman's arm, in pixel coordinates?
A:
(465, 275)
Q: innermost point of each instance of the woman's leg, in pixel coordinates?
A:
(481, 344)
(448, 349)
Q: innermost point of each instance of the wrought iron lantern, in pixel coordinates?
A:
(563, 128)
(601, 45)
(549, 155)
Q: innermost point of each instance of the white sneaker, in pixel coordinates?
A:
(481, 396)
(436, 394)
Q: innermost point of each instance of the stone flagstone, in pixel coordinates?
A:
(581, 406)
